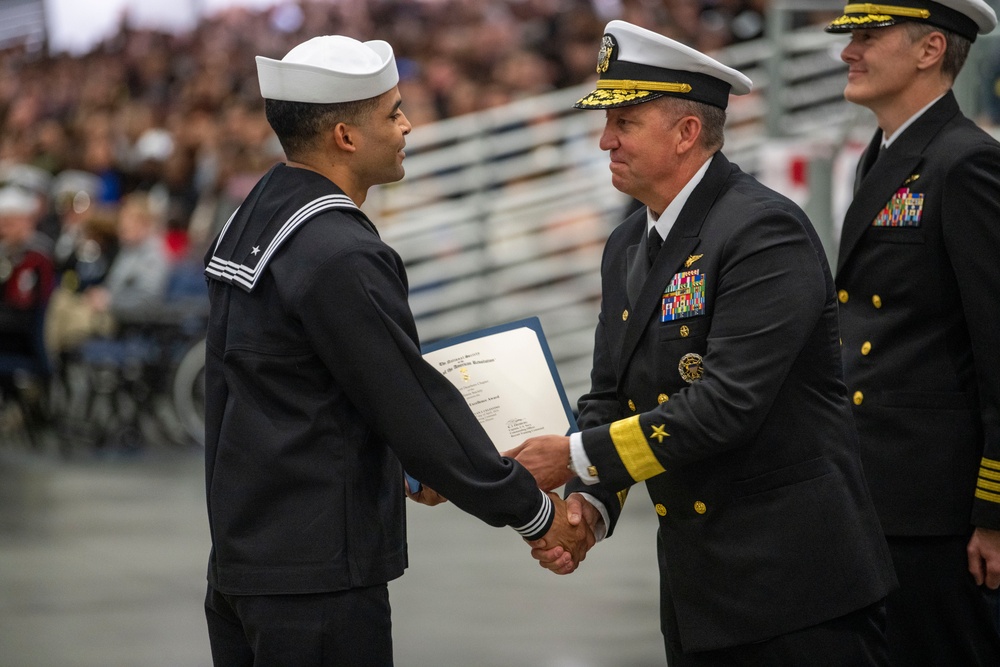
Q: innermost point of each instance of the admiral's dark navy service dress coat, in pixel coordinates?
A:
(717, 380)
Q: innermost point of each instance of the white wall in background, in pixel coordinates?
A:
(74, 26)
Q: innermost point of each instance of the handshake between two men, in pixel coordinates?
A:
(547, 458)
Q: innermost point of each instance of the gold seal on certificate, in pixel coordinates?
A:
(507, 376)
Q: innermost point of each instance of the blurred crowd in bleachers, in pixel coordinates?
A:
(182, 114)
(134, 154)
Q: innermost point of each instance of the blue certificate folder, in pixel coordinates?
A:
(534, 325)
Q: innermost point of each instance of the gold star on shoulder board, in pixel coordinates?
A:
(659, 432)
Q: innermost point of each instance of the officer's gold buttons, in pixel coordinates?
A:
(859, 398)
(625, 315)
(661, 510)
(700, 507)
(843, 296)
(866, 347)
(662, 398)
(876, 300)
(685, 331)
(631, 405)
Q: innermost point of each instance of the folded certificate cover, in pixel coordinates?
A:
(509, 380)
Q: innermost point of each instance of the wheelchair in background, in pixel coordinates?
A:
(144, 385)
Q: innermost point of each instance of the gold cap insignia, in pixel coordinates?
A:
(604, 55)
(690, 367)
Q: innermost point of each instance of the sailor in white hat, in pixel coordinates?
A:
(316, 390)
(919, 286)
(716, 382)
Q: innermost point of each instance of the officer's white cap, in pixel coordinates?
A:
(638, 65)
(964, 17)
(329, 69)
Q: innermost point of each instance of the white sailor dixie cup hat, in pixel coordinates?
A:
(638, 65)
(964, 17)
(329, 69)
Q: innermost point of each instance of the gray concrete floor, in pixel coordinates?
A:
(102, 564)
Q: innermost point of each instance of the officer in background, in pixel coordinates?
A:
(918, 280)
(316, 390)
(717, 380)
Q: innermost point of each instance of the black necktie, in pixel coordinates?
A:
(653, 243)
(868, 161)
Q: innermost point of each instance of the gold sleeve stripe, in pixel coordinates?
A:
(989, 486)
(986, 495)
(985, 473)
(633, 449)
(622, 495)
(990, 463)
(653, 86)
(893, 10)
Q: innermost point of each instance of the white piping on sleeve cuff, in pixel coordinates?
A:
(530, 530)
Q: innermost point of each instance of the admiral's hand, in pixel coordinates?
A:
(556, 558)
(568, 541)
(547, 458)
(984, 557)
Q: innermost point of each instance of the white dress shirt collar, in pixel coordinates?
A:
(666, 220)
(887, 141)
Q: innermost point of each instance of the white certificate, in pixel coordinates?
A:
(509, 380)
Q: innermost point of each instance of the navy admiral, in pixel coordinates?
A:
(316, 391)
(717, 380)
(918, 277)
